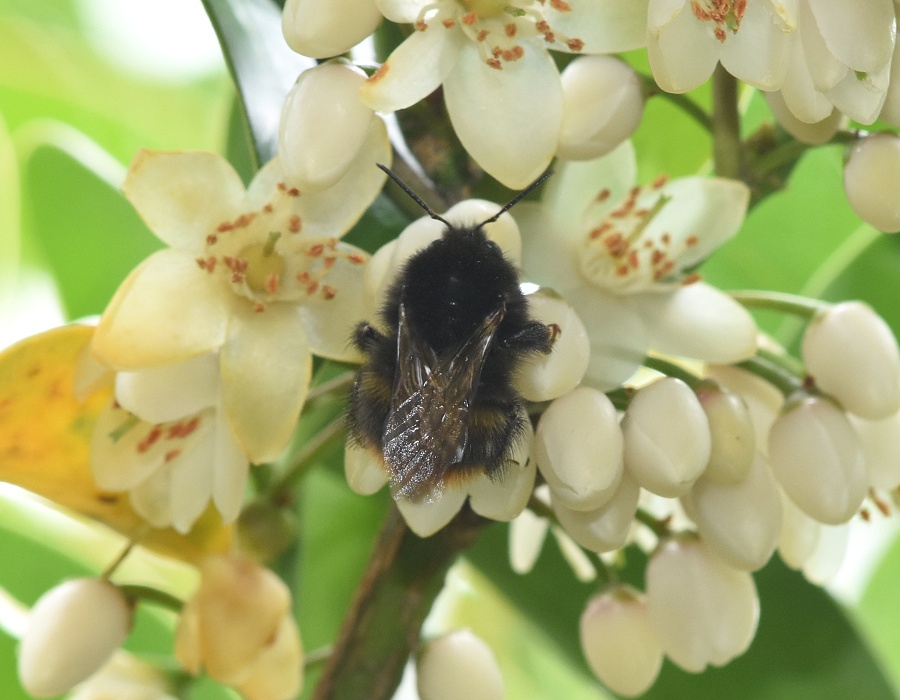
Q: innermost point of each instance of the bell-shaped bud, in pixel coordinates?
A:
(870, 180)
(526, 539)
(731, 431)
(852, 354)
(607, 527)
(667, 440)
(880, 441)
(799, 534)
(815, 133)
(826, 558)
(602, 106)
(546, 377)
(426, 517)
(703, 611)
(326, 28)
(366, 474)
(619, 643)
(72, 632)
(458, 660)
(234, 625)
(504, 496)
(739, 521)
(763, 400)
(324, 125)
(578, 448)
(818, 459)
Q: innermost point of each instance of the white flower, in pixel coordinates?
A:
(256, 275)
(870, 180)
(605, 528)
(618, 254)
(458, 660)
(666, 437)
(818, 460)
(73, 630)
(325, 28)
(840, 58)
(740, 521)
(733, 437)
(687, 38)
(851, 353)
(502, 89)
(880, 441)
(619, 643)
(238, 627)
(602, 106)
(165, 440)
(324, 126)
(578, 448)
(703, 611)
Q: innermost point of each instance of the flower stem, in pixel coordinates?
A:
(403, 577)
(338, 384)
(670, 369)
(302, 459)
(728, 152)
(778, 301)
(658, 527)
(147, 594)
(780, 377)
(683, 102)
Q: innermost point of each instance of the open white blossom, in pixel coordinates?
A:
(501, 87)
(618, 253)
(686, 39)
(257, 276)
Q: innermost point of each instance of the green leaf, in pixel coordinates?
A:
(263, 67)
(805, 646)
(87, 231)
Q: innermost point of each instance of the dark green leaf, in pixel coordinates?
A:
(263, 67)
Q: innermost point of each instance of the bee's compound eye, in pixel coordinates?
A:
(494, 246)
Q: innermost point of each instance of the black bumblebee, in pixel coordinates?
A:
(434, 399)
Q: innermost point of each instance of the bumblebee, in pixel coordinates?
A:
(435, 398)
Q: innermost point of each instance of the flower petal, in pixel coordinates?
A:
(166, 311)
(191, 480)
(547, 258)
(414, 70)
(859, 35)
(266, 367)
(710, 210)
(183, 196)
(698, 321)
(505, 496)
(324, 28)
(681, 51)
(758, 53)
(332, 211)
(425, 518)
(604, 27)
(329, 322)
(365, 473)
(508, 120)
(231, 470)
(162, 394)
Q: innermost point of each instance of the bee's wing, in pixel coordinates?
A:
(428, 425)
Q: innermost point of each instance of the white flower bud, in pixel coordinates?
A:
(763, 400)
(619, 643)
(323, 125)
(505, 496)
(815, 133)
(458, 661)
(578, 448)
(365, 473)
(602, 106)
(545, 377)
(740, 522)
(818, 460)
(72, 632)
(826, 558)
(852, 354)
(870, 180)
(732, 433)
(526, 539)
(881, 446)
(427, 517)
(667, 440)
(703, 611)
(606, 528)
(799, 534)
(325, 28)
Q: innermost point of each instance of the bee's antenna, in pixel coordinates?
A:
(416, 198)
(515, 200)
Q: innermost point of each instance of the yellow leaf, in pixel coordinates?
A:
(45, 437)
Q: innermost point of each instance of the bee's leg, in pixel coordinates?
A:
(534, 337)
(366, 336)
